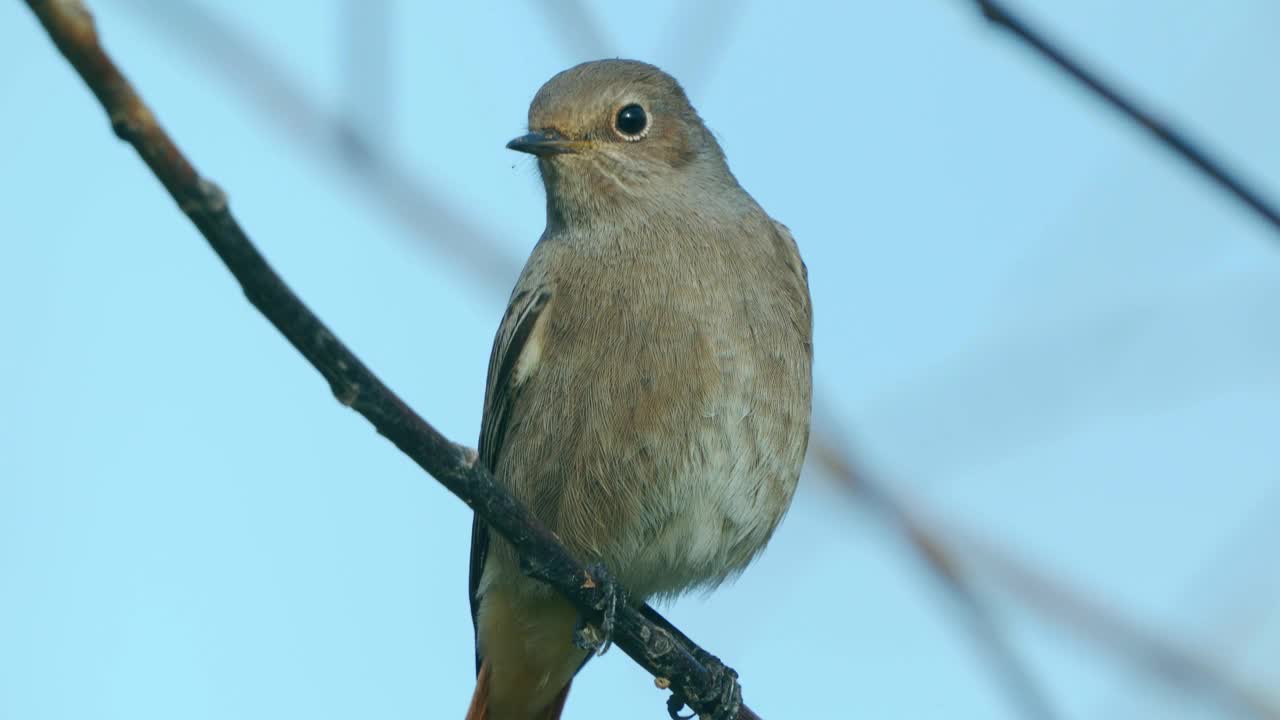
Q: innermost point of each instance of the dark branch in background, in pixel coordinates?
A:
(1182, 146)
(946, 560)
(669, 659)
(412, 202)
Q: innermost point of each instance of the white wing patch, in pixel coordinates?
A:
(530, 354)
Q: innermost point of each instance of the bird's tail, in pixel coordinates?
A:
(480, 708)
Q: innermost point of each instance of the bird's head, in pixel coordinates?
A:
(618, 133)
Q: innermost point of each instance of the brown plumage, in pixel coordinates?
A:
(649, 388)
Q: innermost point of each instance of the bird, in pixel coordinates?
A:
(649, 390)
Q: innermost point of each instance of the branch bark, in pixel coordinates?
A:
(669, 657)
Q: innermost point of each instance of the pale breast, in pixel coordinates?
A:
(663, 424)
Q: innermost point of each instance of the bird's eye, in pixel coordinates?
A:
(632, 122)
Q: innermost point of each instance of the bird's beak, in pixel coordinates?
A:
(545, 142)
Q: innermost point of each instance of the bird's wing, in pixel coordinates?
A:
(500, 394)
(802, 304)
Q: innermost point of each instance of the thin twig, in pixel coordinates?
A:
(71, 28)
(1180, 144)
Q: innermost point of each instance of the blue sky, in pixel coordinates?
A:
(1034, 322)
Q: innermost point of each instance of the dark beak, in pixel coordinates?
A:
(545, 142)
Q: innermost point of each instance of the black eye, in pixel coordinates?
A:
(632, 121)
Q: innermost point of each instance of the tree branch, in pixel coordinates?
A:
(71, 28)
(1181, 145)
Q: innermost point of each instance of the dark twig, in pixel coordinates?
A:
(1189, 150)
(71, 28)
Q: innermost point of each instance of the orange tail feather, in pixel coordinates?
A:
(479, 709)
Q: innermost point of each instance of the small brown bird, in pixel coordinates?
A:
(649, 389)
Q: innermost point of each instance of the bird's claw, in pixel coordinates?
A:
(674, 705)
(724, 692)
(599, 639)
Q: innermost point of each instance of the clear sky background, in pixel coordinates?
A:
(1035, 324)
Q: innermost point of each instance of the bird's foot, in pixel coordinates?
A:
(723, 691)
(608, 596)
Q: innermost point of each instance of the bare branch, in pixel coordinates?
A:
(667, 657)
(1175, 141)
